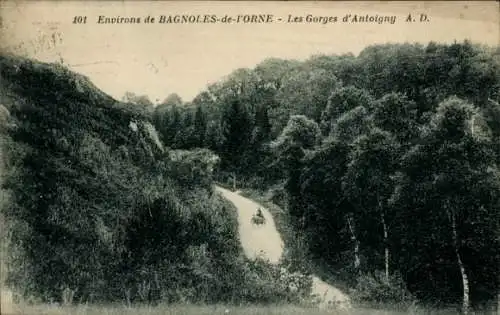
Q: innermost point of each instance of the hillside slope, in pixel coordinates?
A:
(101, 211)
(98, 208)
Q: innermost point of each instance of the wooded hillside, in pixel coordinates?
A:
(98, 209)
(388, 161)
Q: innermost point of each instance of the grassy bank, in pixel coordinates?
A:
(209, 309)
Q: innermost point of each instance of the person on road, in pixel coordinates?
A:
(258, 218)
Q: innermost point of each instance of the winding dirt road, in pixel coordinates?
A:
(265, 241)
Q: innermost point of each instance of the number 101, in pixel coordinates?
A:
(79, 20)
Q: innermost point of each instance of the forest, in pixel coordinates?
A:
(385, 164)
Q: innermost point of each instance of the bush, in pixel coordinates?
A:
(267, 283)
(373, 290)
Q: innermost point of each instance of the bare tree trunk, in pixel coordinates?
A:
(386, 247)
(357, 260)
(234, 181)
(465, 279)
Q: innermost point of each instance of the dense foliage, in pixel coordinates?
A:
(386, 163)
(101, 210)
(389, 159)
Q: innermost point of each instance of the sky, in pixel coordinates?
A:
(158, 59)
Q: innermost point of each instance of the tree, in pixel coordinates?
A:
(172, 100)
(240, 84)
(345, 67)
(214, 138)
(300, 135)
(341, 101)
(168, 121)
(306, 92)
(368, 185)
(236, 132)
(392, 67)
(262, 130)
(443, 193)
(398, 115)
(272, 71)
(200, 126)
(301, 132)
(325, 206)
(352, 124)
(142, 100)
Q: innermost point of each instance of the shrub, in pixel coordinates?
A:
(374, 290)
(274, 283)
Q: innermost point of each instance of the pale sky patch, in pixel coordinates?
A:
(159, 59)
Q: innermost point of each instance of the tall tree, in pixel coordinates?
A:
(306, 91)
(352, 124)
(172, 100)
(397, 114)
(450, 194)
(237, 128)
(325, 206)
(200, 126)
(300, 135)
(368, 185)
(341, 101)
(262, 130)
(142, 100)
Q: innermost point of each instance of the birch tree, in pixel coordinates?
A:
(368, 186)
(450, 193)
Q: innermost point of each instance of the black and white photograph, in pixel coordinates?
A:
(249, 157)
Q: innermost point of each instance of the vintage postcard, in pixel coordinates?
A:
(249, 157)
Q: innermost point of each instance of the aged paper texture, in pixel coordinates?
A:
(249, 157)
